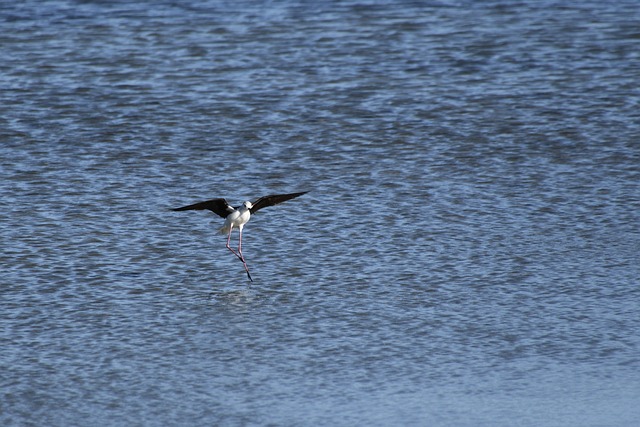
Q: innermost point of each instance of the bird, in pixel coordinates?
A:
(238, 216)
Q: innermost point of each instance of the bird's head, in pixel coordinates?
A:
(248, 205)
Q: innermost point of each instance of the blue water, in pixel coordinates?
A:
(468, 253)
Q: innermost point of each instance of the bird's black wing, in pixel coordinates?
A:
(217, 206)
(273, 199)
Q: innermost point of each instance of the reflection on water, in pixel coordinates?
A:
(467, 254)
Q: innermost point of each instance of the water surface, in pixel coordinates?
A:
(467, 254)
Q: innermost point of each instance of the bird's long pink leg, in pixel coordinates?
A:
(229, 246)
(239, 253)
(241, 256)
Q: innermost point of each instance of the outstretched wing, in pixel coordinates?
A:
(273, 199)
(217, 206)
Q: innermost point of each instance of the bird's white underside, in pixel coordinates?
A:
(237, 219)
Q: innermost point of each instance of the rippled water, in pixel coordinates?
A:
(468, 253)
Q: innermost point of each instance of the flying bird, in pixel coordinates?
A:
(238, 216)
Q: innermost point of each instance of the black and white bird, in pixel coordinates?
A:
(238, 216)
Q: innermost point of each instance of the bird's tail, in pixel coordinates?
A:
(224, 229)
